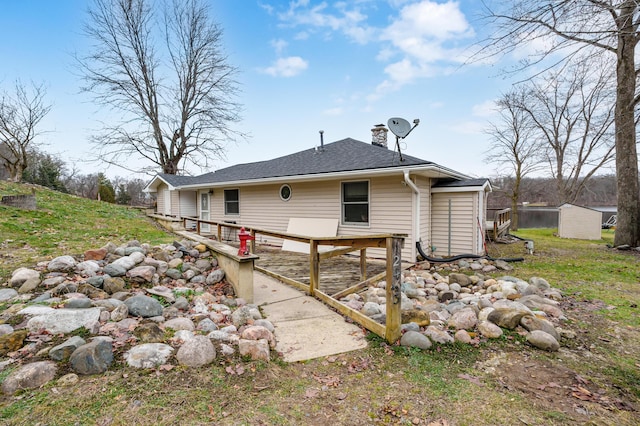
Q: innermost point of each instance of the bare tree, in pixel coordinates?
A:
(514, 144)
(177, 106)
(572, 115)
(569, 28)
(20, 114)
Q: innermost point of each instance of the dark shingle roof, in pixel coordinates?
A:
(341, 156)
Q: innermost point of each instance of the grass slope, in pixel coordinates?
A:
(65, 224)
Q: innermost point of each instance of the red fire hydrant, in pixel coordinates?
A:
(244, 236)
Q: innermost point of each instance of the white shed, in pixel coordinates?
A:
(579, 222)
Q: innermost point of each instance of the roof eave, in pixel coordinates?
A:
(433, 170)
(152, 186)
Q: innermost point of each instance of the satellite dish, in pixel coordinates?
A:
(399, 127)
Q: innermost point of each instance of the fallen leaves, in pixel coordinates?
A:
(472, 379)
(329, 381)
(237, 370)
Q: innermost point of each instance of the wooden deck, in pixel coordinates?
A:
(336, 274)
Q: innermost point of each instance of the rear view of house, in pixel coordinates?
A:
(365, 188)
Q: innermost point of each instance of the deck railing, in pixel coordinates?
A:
(390, 331)
(501, 223)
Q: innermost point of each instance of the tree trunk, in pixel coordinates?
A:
(627, 228)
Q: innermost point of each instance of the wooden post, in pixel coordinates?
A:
(252, 241)
(219, 232)
(314, 266)
(363, 264)
(198, 227)
(394, 294)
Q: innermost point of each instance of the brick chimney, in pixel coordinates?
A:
(379, 135)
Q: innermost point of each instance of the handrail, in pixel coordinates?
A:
(346, 243)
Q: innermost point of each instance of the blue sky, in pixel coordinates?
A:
(304, 66)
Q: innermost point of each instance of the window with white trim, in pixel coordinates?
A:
(231, 201)
(355, 202)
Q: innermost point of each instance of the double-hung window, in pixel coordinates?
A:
(231, 201)
(355, 202)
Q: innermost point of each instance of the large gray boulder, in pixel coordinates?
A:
(93, 358)
(62, 264)
(143, 306)
(415, 339)
(196, 352)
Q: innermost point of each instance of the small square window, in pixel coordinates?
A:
(231, 201)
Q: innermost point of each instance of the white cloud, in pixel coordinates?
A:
(484, 109)
(279, 45)
(424, 40)
(470, 127)
(431, 20)
(287, 67)
(333, 111)
(349, 21)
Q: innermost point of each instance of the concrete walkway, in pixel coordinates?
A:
(305, 328)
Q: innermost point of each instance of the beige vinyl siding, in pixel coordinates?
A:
(390, 211)
(175, 203)
(463, 230)
(261, 207)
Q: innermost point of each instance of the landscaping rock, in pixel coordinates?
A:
(149, 333)
(63, 320)
(12, 341)
(29, 376)
(29, 285)
(93, 358)
(257, 350)
(180, 323)
(196, 352)
(148, 355)
(20, 275)
(7, 294)
(63, 351)
(416, 340)
(143, 306)
(64, 263)
(542, 340)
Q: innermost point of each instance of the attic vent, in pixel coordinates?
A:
(379, 135)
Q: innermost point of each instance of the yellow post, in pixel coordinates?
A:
(314, 266)
(394, 273)
(363, 264)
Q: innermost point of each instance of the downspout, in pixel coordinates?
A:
(416, 219)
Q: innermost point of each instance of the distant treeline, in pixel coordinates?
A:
(599, 191)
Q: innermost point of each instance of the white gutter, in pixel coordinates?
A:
(416, 219)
